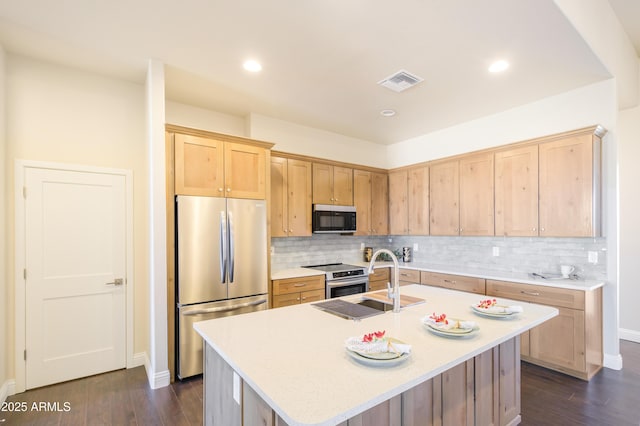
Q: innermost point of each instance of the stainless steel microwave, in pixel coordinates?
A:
(329, 219)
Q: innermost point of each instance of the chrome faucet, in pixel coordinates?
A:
(395, 294)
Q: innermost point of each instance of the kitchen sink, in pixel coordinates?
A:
(376, 304)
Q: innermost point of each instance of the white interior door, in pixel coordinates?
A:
(75, 257)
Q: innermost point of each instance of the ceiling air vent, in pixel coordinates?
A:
(402, 80)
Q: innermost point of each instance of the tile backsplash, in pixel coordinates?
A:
(516, 254)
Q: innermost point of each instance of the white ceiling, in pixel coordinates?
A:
(322, 59)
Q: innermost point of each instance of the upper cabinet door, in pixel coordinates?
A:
(444, 199)
(322, 183)
(418, 200)
(379, 204)
(332, 185)
(398, 214)
(567, 187)
(299, 197)
(199, 166)
(476, 195)
(342, 186)
(245, 171)
(362, 201)
(516, 192)
(279, 204)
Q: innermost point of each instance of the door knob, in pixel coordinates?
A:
(117, 281)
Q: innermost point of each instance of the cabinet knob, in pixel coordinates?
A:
(533, 229)
(220, 189)
(228, 189)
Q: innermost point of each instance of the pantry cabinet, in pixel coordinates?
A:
(290, 197)
(570, 342)
(371, 200)
(332, 184)
(516, 192)
(220, 166)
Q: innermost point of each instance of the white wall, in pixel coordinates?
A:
(3, 230)
(198, 118)
(303, 140)
(59, 114)
(629, 153)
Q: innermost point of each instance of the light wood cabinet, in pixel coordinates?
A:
(379, 279)
(293, 291)
(476, 194)
(453, 282)
(409, 201)
(210, 166)
(570, 342)
(290, 197)
(569, 186)
(516, 192)
(408, 276)
(485, 390)
(332, 185)
(370, 198)
(444, 198)
(398, 196)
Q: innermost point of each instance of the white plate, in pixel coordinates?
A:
(486, 313)
(378, 362)
(451, 332)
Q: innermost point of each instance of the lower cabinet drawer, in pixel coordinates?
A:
(297, 298)
(297, 285)
(542, 295)
(453, 282)
(409, 276)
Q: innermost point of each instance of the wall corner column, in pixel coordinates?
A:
(157, 368)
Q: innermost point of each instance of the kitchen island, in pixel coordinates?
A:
(289, 366)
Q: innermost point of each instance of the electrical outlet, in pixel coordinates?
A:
(361, 246)
(415, 246)
(593, 257)
(496, 251)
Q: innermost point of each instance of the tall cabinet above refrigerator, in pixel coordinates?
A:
(221, 267)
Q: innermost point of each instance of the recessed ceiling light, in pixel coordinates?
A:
(252, 66)
(499, 66)
(387, 113)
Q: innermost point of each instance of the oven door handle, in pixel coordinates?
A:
(347, 281)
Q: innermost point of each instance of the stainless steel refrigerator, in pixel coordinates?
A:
(221, 267)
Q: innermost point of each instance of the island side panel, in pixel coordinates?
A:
(220, 408)
(510, 382)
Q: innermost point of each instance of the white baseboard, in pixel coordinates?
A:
(138, 360)
(8, 388)
(631, 335)
(156, 379)
(613, 362)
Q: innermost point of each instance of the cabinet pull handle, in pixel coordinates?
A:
(530, 293)
(299, 285)
(450, 281)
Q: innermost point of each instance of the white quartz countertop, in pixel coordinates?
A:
(295, 358)
(489, 274)
(294, 273)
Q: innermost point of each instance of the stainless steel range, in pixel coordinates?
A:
(342, 279)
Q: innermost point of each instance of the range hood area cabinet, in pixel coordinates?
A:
(220, 166)
(332, 184)
(290, 197)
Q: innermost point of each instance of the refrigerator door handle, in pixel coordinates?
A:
(223, 248)
(232, 249)
(225, 308)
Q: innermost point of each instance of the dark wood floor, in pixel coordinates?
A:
(123, 398)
